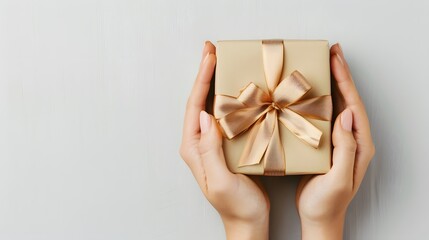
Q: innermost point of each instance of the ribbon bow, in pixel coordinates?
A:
(259, 112)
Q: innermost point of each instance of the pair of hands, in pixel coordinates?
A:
(241, 200)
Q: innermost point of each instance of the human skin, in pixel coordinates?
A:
(241, 201)
(322, 200)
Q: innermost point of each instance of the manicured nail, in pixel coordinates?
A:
(347, 120)
(205, 121)
(340, 59)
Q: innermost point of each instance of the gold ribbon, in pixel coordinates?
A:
(257, 111)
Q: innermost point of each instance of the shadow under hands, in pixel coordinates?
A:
(284, 219)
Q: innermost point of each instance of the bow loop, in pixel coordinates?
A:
(291, 89)
(252, 96)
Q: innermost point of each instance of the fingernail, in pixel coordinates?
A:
(347, 120)
(205, 121)
(340, 59)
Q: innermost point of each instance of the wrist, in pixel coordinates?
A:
(246, 230)
(331, 229)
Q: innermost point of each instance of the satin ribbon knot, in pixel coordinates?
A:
(259, 112)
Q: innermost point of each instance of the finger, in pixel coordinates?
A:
(336, 48)
(364, 156)
(208, 48)
(197, 169)
(344, 152)
(349, 93)
(343, 78)
(361, 166)
(211, 152)
(190, 138)
(338, 101)
(197, 98)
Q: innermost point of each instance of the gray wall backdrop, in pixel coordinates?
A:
(92, 97)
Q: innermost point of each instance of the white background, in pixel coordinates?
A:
(92, 97)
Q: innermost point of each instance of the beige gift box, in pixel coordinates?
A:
(240, 63)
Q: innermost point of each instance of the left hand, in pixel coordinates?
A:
(322, 200)
(241, 202)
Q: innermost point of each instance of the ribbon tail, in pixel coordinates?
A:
(258, 140)
(274, 159)
(291, 89)
(299, 126)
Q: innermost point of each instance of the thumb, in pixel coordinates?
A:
(344, 146)
(211, 151)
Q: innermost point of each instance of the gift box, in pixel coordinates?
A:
(273, 105)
